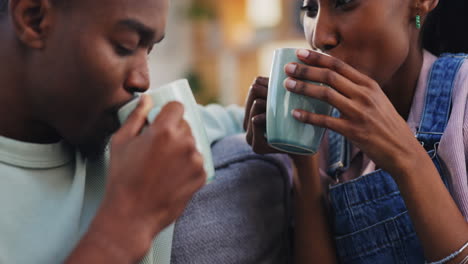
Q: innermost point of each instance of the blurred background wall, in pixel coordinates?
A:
(222, 45)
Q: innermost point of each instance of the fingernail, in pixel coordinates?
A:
(142, 99)
(296, 114)
(146, 102)
(291, 68)
(290, 84)
(303, 53)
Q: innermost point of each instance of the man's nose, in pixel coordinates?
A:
(138, 80)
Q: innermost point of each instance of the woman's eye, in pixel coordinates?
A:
(310, 10)
(342, 2)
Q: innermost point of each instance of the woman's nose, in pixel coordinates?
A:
(325, 36)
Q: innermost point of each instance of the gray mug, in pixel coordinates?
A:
(284, 132)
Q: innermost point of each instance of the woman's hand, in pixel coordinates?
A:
(368, 118)
(255, 121)
(255, 116)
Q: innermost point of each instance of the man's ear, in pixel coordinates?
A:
(32, 20)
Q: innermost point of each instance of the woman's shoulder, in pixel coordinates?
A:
(463, 72)
(461, 91)
(460, 95)
(461, 80)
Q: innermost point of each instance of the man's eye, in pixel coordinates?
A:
(342, 2)
(310, 10)
(150, 49)
(123, 51)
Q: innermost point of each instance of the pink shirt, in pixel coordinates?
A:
(453, 148)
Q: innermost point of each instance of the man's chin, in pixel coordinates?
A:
(95, 145)
(95, 149)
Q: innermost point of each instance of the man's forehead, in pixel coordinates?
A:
(150, 13)
(132, 5)
(145, 10)
(137, 5)
(128, 3)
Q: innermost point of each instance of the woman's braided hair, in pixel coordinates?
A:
(446, 28)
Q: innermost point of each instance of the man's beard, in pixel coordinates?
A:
(95, 147)
(94, 150)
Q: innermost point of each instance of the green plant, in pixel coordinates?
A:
(201, 11)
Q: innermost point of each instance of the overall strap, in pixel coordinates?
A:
(438, 99)
(339, 152)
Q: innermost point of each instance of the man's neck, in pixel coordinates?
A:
(17, 119)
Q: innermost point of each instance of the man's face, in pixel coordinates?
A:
(94, 60)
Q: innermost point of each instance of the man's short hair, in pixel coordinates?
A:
(3, 6)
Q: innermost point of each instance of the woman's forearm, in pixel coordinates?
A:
(313, 239)
(440, 226)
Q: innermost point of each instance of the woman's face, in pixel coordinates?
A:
(375, 37)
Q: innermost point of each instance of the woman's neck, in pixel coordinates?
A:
(402, 86)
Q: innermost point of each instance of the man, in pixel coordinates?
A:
(66, 68)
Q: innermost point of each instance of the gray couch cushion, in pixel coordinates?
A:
(243, 216)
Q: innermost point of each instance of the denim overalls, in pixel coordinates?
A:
(371, 222)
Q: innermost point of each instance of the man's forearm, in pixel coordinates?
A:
(110, 240)
(95, 249)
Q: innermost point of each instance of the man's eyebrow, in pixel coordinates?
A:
(147, 34)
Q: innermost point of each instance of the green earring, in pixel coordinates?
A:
(418, 21)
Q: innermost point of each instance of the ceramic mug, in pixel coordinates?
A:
(284, 132)
(177, 91)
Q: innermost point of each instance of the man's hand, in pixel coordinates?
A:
(154, 171)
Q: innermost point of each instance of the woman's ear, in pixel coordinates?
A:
(32, 20)
(424, 7)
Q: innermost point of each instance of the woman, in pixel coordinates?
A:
(402, 195)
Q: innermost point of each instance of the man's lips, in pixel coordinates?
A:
(115, 109)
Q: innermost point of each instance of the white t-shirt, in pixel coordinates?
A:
(41, 196)
(49, 195)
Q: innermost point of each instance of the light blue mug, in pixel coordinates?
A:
(178, 91)
(284, 132)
